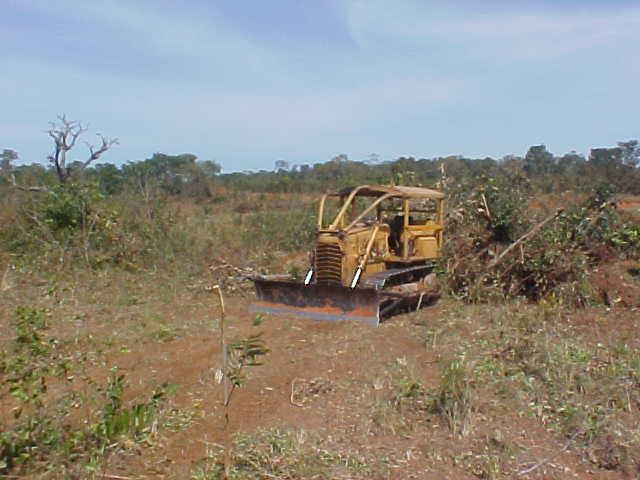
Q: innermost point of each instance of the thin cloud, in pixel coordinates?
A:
(517, 36)
(163, 30)
(421, 78)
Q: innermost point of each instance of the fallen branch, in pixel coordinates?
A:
(531, 233)
(244, 273)
(293, 392)
(14, 184)
(545, 461)
(486, 207)
(308, 388)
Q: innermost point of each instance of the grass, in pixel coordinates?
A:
(566, 371)
(288, 455)
(533, 360)
(63, 421)
(398, 400)
(453, 400)
(559, 374)
(169, 235)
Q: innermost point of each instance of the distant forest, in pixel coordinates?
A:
(186, 175)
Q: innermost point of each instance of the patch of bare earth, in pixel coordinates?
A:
(365, 392)
(358, 369)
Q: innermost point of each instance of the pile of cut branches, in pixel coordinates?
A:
(498, 247)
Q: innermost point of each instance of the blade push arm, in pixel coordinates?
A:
(365, 257)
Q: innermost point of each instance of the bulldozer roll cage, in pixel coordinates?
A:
(375, 254)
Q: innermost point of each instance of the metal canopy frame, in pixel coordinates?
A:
(381, 193)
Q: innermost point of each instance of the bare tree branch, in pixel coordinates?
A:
(75, 134)
(107, 143)
(65, 134)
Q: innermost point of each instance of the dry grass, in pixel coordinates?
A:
(453, 390)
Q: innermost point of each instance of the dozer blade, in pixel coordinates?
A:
(317, 301)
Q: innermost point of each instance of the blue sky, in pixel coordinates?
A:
(249, 82)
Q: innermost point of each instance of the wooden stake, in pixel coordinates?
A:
(225, 385)
(4, 284)
(486, 207)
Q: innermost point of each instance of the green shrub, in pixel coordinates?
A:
(41, 432)
(453, 400)
(68, 206)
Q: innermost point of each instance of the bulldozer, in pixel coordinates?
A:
(375, 250)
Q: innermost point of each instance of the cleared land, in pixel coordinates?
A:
(109, 364)
(342, 400)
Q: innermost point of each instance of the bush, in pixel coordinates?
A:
(42, 431)
(553, 259)
(68, 207)
(453, 400)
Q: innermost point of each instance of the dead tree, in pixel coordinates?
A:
(65, 134)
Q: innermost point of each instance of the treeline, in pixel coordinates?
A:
(172, 174)
(99, 214)
(186, 175)
(616, 166)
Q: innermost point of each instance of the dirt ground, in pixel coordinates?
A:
(331, 381)
(629, 203)
(350, 358)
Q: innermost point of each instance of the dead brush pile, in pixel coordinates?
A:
(498, 247)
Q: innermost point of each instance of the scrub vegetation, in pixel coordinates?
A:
(528, 366)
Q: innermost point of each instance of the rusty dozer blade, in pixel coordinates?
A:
(318, 302)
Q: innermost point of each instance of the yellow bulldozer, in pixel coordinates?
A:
(375, 250)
